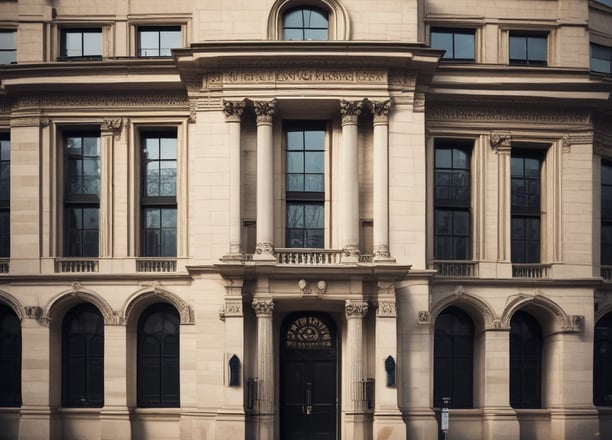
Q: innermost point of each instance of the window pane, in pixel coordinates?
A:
(92, 43)
(313, 216)
(153, 218)
(464, 46)
(537, 49)
(167, 148)
(8, 40)
(293, 34)
(314, 162)
(294, 18)
(149, 43)
(314, 140)
(314, 183)
(295, 182)
(444, 158)
(518, 49)
(315, 34)
(315, 19)
(443, 40)
(74, 46)
(295, 162)
(169, 39)
(295, 140)
(295, 216)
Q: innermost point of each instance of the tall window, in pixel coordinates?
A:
(602, 362)
(5, 195)
(453, 358)
(81, 193)
(158, 357)
(305, 184)
(10, 358)
(83, 357)
(458, 43)
(601, 58)
(452, 219)
(525, 361)
(526, 183)
(305, 24)
(606, 213)
(159, 193)
(8, 46)
(85, 42)
(528, 48)
(158, 41)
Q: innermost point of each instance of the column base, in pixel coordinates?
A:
(421, 424)
(36, 424)
(115, 424)
(356, 426)
(500, 424)
(230, 425)
(573, 423)
(389, 426)
(265, 427)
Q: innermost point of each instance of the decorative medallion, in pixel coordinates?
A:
(309, 333)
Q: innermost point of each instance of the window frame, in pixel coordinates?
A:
(7, 50)
(453, 31)
(608, 50)
(10, 362)
(528, 35)
(157, 27)
(82, 30)
(5, 203)
(606, 214)
(303, 28)
(523, 396)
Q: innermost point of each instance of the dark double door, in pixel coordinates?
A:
(309, 378)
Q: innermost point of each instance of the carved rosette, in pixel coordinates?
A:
(386, 310)
(355, 309)
(381, 110)
(264, 111)
(263, 308)
(233, 110)
(232, 309)
(501, 142)
(264, 247)
(350, 111)
(424, 318)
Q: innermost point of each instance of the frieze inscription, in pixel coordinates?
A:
(304, 76)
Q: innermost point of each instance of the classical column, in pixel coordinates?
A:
(349, 180)
(265, 195)
(355, 404)
(381, 180)
(265, 368)
(501, 143)
(109, 129)
(233, 112)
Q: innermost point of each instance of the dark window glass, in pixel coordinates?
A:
(158, 41)
(305, 184)
(601, 59)
(606, 213)
(81, 194)
(602, 362)
(8, 47)
(458, 43)
(305, 24)
(605, 2)
(453, 358)
(159, 194)
(452, 200)
(528, 49)
(158, 357)
(83, 357)
(10, 358)
(525, 195)
(525, 361)
(5, 194)
(81, 42)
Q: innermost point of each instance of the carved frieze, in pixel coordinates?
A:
(355, 309)
(231, 308)
(263, 308)
(570, 139)
(298, 75)
(104, 101)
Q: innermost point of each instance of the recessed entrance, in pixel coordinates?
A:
(309, 377)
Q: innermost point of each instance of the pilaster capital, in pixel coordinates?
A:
(111, 124)
(263, 307)
(350, 111)
(381, 110)
(233, 110)
(355, 309)
(264, 111)
(501, 142)
(386, 309)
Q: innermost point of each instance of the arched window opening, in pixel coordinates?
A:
(83, 357)
(602, 362)
(10, 358)
(454, 358)
(305, 23)
(525, 361)
(158, 357)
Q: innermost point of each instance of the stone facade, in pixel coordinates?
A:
(386, 100)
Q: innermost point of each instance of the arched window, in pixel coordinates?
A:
(83, 357)
(305, 23)
(525, 361)
(158, 357)
(602, 362)
(453, 358)
(10, 358)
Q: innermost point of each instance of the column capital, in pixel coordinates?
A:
(381, 110)
(501, 142)
(355, 309)
(111, 127)
(233, 110)
(264, 111)
(263, 307)
(350, 111)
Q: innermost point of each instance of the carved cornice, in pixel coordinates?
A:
(501, 142)
(233, 110)
(381, 110)
(350, 111)
(263, 308)
(264, 111)
(570, 139)
(355, 309)
(129, 100)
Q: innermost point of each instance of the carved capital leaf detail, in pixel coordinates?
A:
(501, 142)
(386, 309)
(350, 111)
(263, 307)
(264, 110)
(355, 309)
(233, 110)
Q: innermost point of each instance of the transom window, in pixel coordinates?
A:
(601, 59)
(8, 46)
(158, 41)
(606, 213)
(528, 48)
(5, 195)
(10, 358)
(458, 43)
(85, 42)
(305, 184)
(305, 24)
(525, 361)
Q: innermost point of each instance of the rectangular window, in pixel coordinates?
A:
(81, 43)
(452, 200)
(528, 48)
(525, 196)
(606, 213)
(158, 41)
(81, 193)
(458, 43)
(158, 193)
(305, 184)
(601, 59)
(5, 195)
(8, 47)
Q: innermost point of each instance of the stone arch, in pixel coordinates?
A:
(153, 294)
(339, 22)
(479, 310)
(58, 306)
(549, 314)
(13, 303)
